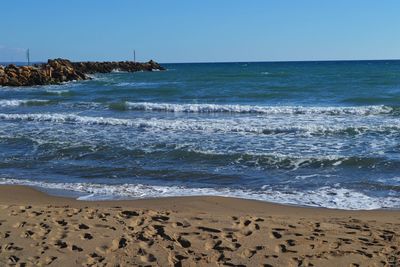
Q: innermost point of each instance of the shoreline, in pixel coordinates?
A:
(65, 195)
(36, 228)
(18, 195)
(323, 197)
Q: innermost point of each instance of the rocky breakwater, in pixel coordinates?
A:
(57, 71)
(53, 72)
(105, 67)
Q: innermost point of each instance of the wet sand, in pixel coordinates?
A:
(38, 229)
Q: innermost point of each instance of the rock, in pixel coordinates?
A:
(4, 80)
(105, 67)
(11, 73)
(14, 82)
(12, 66)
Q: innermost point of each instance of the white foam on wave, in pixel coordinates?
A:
(35, 88)
(57, 92)
(236, 125)
(19, 102)
(145, 84)
(62, 118)
(118, 71)
(328, 197)
(135, 84)
(215, 108)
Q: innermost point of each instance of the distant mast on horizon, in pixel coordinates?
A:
(28, 57)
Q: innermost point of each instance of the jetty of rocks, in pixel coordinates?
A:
(57, 71)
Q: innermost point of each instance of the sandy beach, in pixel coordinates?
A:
(37, 230)
(200, 133)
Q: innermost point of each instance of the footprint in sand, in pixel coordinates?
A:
(137, 222)
(13, 259)
(60, 244)
(183, 224)
(28, 234)
(176, 260)
(62, 222)
(119, 243)
(103, 249)
(35, 213)
(146, 257)
(282, 248)
(19, 224)
(87, 236)
(11, 247)
(246, 226)
(208, 229)
(83, 226)
(6, 234)
(160, 218)
(275, 234)
(248, 253)
(291, 242)
(95, 258)
(76, 248)
(127, 214)
(184, 242)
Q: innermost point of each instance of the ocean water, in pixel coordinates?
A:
(321, 134)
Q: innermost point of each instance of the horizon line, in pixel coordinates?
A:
(280, 61)
(222, 62)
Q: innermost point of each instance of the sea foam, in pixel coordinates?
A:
(328, 197)
(19, 102)
(311, 125)
(216, 108)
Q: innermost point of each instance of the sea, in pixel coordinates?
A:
(320, 134)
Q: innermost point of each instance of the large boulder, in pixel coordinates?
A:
(14, 82)
(3, 80)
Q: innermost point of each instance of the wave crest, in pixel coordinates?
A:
(268, 110)
(19, 102)
(245, 125)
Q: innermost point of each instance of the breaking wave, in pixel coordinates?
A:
(18, 102)
(328, 197)
(244, 125)
(217, 108)
(59, 92)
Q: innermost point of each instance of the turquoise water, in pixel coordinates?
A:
(307, 133)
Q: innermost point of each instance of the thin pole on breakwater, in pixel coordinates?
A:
(134, 56)
(28, 57)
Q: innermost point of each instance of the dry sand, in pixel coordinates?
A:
(37, 229)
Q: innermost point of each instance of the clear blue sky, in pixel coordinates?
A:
(198, 31)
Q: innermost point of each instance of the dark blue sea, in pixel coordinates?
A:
(321, 134)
